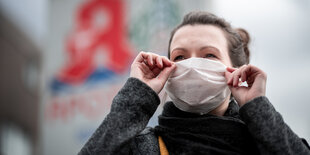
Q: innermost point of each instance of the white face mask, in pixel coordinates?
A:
(198, 85)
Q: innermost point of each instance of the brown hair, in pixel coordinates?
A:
(238, 39)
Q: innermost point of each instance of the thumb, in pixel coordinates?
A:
(227, 75)
(164, 75)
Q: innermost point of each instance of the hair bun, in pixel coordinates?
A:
(245, 40)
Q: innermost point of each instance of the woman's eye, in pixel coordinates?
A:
(180, 57)
(210, 56)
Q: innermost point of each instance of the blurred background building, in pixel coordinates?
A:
(63, 61)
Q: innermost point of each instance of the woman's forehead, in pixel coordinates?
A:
(196, 36)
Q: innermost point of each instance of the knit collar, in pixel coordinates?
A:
(189, 133)
(170, 110)
(173, 118)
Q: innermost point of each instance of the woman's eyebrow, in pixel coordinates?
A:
(179, 48)
(210, 47)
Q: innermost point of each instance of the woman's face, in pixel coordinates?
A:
(203, 41)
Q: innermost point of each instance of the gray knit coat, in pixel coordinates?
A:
(255, 128)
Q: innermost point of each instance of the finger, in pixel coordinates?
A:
(140, 57)
(228, 77)
(164, 75)
(166, 61)
(231, 78)
(150, 59)
(145, 58)
(238, 74)
(144, 68)
(229, 69)
(252, 72)
(243, 76)
(159, 62)
(244, 73)
(236, 79)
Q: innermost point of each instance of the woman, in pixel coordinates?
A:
(211, 112)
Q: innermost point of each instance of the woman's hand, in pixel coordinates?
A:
(152, 69)
(255, 78)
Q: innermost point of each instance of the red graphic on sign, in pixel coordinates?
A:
(87, 37)
(81, 47)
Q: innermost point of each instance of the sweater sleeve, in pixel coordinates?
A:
(131, 110)
(271, 133)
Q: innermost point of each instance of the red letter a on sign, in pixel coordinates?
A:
(87, 37)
